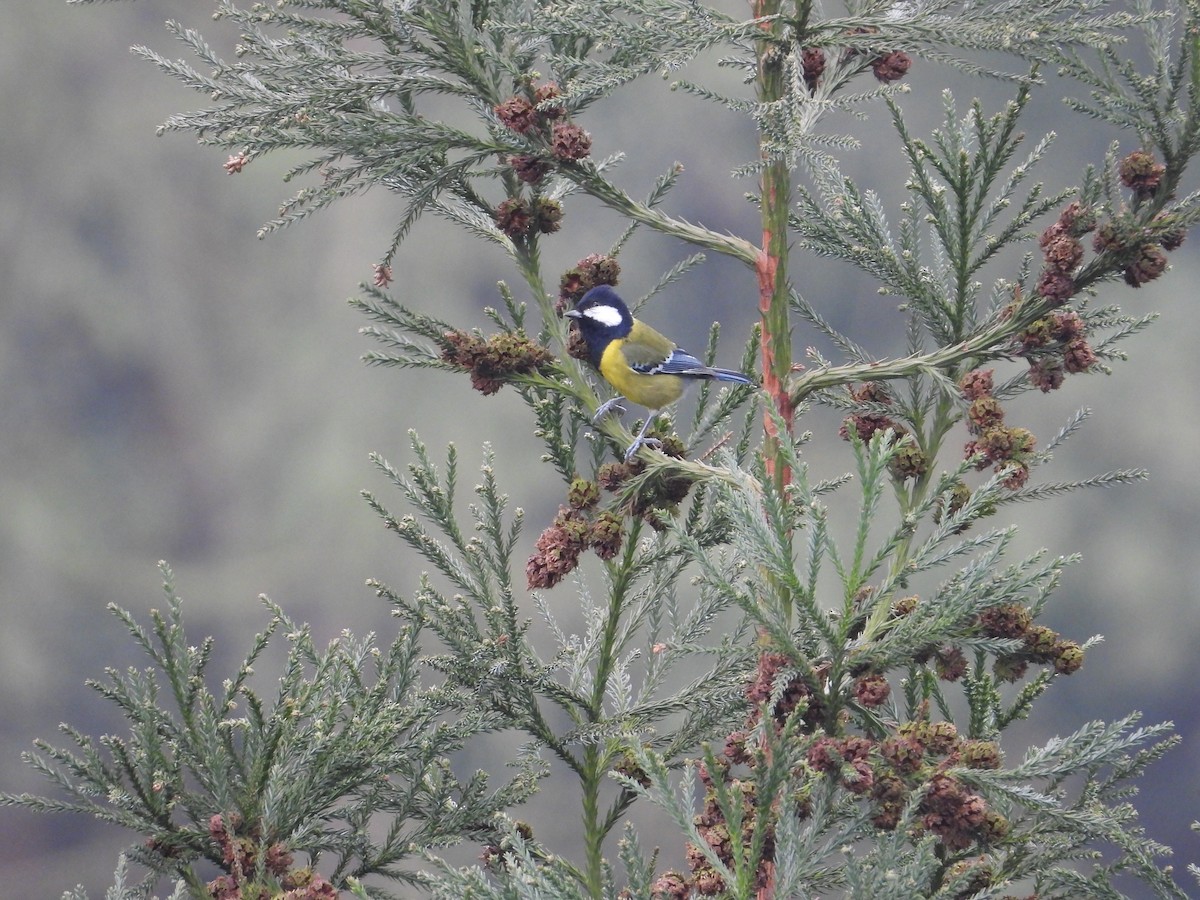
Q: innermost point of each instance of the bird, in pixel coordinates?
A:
(643, 366)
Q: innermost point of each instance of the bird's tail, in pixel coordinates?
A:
(730, 376)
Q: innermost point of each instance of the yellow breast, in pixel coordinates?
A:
(650, 391)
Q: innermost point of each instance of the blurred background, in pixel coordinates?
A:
(172, 388)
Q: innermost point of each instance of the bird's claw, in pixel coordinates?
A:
(607, 407)
(642, 442)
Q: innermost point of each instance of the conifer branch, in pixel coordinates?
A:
(836, 659)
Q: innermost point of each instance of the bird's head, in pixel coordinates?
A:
(602, 316)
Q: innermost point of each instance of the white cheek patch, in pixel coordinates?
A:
(604, 315)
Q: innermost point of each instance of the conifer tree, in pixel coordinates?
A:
(815, 715)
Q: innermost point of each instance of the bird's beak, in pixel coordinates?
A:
(573, 314)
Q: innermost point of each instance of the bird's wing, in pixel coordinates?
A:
(649, 362)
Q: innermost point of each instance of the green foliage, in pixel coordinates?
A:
(615, 683)
(348, 739)
(839, 669)
(122, 890)
(830, 764)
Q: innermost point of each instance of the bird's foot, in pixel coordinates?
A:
(639, 444)
(607, 407)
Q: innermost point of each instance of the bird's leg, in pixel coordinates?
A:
(608, 406)
(641, 440)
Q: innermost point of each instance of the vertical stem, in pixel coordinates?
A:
(771, 268)
(776, 190)
(597, 755)
(593, 830)
(594, 761)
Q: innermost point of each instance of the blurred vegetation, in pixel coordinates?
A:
(174, 388)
